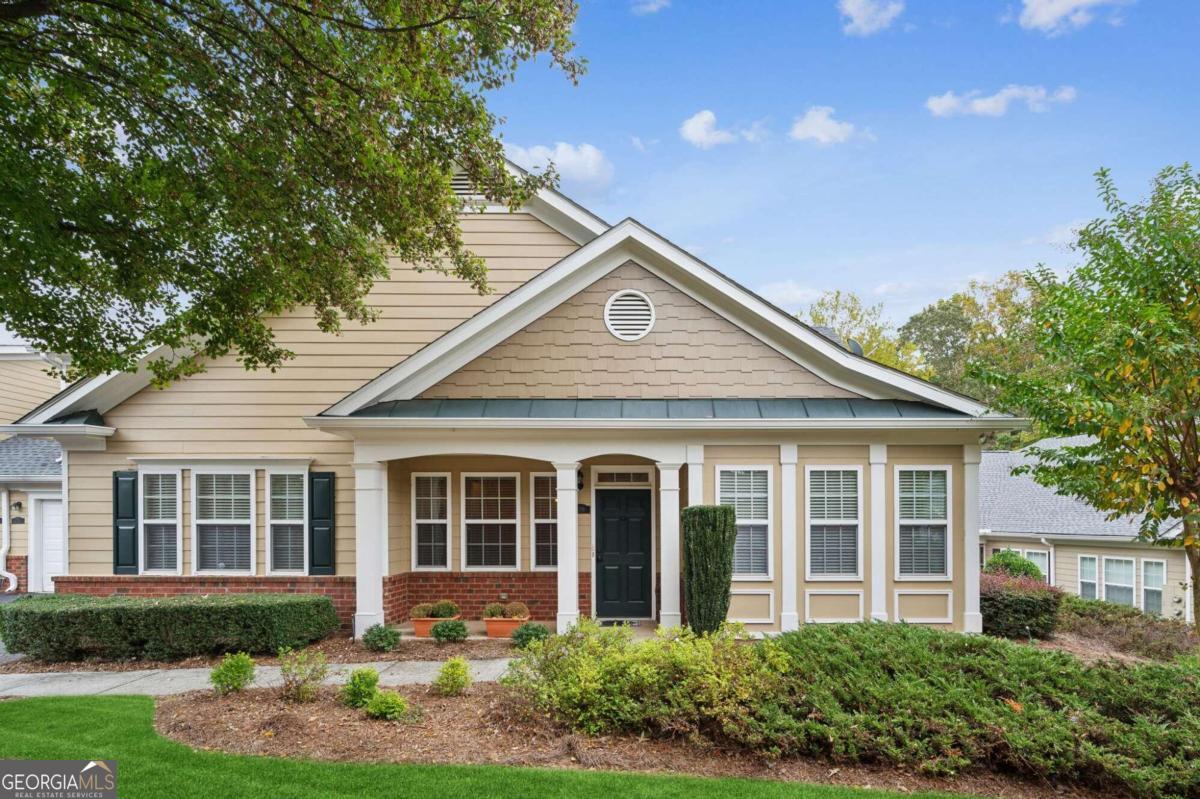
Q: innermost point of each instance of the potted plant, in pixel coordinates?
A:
(501, 620)
(427, 614)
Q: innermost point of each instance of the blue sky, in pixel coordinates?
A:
(961, 143)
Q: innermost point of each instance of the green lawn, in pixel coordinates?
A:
(121, 728)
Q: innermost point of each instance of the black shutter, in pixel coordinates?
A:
(320, 523)
(125, 523)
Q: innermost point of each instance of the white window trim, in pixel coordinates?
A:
(651, 485)
(178, 520)
(648, 471)
(535, 520)
(271, 570)
(1104, 581)
(1079, 581)
(1045, 572)
(857, 577)
(462, 499)
(769, 576)
(1141, 594)
(196, 522)
(414, 521)
(948, 521)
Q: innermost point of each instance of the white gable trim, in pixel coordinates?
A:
(630, 240)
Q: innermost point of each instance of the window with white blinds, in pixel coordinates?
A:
(834, 524)
(224, 521)
(286, 521)
(1087, 577)
(431, 521)
(545, 520)
(490, 521)
(1118, 581)
(923, 505)
(748, 490)
(1154, 578)
(160, 521)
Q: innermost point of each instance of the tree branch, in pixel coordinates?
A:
(24, 9)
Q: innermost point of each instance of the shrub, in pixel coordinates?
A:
(302, 673)
(387, 705)
(493, 610)
(516, 610)
(453, 678)
(380, 638)
(1128, 629)
(529, 632)
(709, 533)
(449, 631)
(443, 609)
(421, 611)
(74, 627)
(360, 688)
(1012, 564)
(232, 674)
(1018, 607)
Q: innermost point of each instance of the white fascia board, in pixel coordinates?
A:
(57, 430)
(560, 212)
(437, 423)
(100, 393)
(997, 536)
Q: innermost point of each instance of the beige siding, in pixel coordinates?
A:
(691, 352)
(228, 411)
(19, 532)
(24, 384)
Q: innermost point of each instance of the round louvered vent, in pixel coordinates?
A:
(629, 315)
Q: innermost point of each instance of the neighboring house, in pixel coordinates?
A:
(25, 381)
(536, 443)
(1074, 545)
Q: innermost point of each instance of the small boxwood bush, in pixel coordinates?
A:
(232, 674)
(360, 688)
(380, 638)
(493, 610)
(1012, 564)
(1018, 607)
(529, 632)
(443, 609)
(74, 626)
(453, 678)
(449, 631)
(388, 706)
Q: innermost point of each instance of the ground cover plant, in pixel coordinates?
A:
(1128, 629)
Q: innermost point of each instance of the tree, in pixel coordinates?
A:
(1122, 334)
(173, 170)
(851, 319)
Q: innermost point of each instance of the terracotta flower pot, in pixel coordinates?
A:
(422, 628)
(502, 628)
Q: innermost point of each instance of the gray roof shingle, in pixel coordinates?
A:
(30, 457)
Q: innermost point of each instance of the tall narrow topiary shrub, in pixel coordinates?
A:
(709, 533)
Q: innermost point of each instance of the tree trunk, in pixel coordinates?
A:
(1193, 556)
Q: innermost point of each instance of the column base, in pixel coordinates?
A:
(364, 621)
(879, 615)
(670, 619)
(972, 622)
(789, 622)
(566, 621)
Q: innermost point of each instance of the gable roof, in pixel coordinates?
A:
(30, 457)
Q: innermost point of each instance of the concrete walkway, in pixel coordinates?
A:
(159, 682)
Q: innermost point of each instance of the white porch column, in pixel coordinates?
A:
(370, 542)
(668, 536)
(568, 545)
(789, 618)
(972, 619)
(695, 464)
(879, 536)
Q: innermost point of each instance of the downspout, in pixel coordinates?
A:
(5, 541)
(1050, 557)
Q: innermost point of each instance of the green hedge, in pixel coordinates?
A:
(1013, 564)
(1018, 607)
(73, 627)
(709, 535)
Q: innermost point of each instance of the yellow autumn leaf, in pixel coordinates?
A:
(1184, 501)
(1125, 425)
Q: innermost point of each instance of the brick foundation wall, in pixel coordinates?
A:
(339, 589)
(18, 565)
(473, 590)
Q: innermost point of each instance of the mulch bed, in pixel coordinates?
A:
(484, 727)
(338, 649)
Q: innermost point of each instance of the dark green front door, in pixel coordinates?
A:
(623, 547)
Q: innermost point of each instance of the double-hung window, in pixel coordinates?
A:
(1087, 577)
(286, 509)
(1118, 580)
(1154, 577)
(1041, 559)
(545, 521)
(490, 521)
(834, 527)
(160, 521)
(748, 490)
(923, 508)
(431, 521)
(224, 521)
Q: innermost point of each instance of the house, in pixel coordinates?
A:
(1074, 545)
(535, 444)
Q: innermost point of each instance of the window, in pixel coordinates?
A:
(1154, 577)
(1118, 580)
(923, 502)
(224, 522)
(1041, 559)
(748, 490)
(833, 522)
(286, 521)
(1087, 577)
(431, 521)
(490, 521)
(160, 521)
(545, 521)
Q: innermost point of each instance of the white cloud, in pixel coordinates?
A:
(1058, 16)
(975, 103)
(643, 7)
(864, 17)
(583, 165)
(640, 144)
(790, 294)
(1061, 236)
(700, 129)
(818, 125)
(895, 288)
